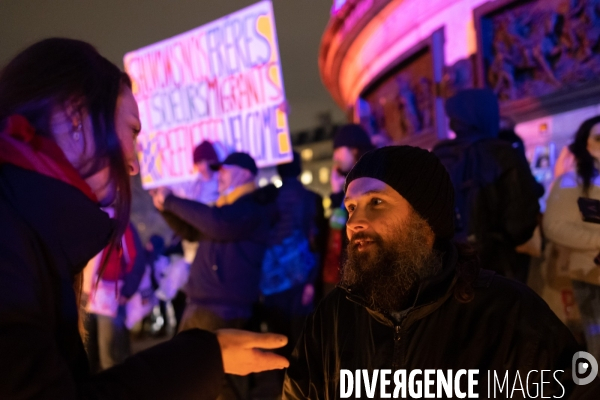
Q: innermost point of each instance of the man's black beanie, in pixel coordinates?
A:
(419, 177)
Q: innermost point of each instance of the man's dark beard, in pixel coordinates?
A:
(388, 275)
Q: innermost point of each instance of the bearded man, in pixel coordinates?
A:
(410, 299)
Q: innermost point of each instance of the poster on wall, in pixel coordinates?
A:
(543, 162)
(221, 82)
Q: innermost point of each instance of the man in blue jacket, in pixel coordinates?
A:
(233, 236)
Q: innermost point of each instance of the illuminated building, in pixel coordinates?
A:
(390, 63)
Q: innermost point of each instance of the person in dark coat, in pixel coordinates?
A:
(412, 300)
(232, 237)
(496, 194)
(300, 212)
(293, 259)
(68, 120)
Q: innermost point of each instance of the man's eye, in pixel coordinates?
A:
(350, 208)
(376, 201)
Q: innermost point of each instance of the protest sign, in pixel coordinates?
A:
(220, 82)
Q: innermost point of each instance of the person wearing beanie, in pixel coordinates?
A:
(497, 206)
(350, 142)
(205, 189)
(411, 299)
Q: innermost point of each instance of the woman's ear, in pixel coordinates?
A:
(72, 132)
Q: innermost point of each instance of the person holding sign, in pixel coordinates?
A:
(233, 237)
(68, 122)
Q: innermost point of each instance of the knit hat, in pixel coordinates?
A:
(353, 136)
(205, 151)
(419, 177)
(242, 160)
(291, 169)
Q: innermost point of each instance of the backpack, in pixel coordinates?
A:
(287, 264)
(465, 170)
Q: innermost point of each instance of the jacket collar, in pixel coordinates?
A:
(431, 294)
(235, 194)
(61, 215)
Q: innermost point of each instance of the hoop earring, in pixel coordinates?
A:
(77, 132)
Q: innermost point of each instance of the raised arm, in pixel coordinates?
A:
(231, 222)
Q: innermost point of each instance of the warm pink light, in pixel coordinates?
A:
(400, 26)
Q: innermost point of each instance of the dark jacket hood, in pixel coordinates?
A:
(474, 113)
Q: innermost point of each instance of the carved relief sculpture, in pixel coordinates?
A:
(538, 47)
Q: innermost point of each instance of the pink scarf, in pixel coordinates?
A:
(20, 146)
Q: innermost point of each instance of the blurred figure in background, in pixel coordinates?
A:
(295, 248)
(206, 187)
(496, 197)
(224, 278)
(349, 144)
(107, 336)
(292, 261)
(533, 247)
(572, 221)
(508, 134)
(205, 190)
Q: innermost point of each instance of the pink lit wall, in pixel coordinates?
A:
(401, 25)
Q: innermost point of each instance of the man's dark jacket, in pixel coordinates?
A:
(505, 327)
(50, 230)
(225, 275)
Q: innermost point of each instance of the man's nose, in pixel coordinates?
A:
(357, 222)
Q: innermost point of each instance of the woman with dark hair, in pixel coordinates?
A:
(579, 232)
(68, 121)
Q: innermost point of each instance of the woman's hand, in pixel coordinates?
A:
(243, 352)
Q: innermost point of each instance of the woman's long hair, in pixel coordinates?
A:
(586, 168)
(55, 71)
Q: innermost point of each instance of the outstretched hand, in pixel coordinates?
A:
(158, 197)
(243, 352)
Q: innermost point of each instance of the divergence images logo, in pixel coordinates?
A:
(585, 368)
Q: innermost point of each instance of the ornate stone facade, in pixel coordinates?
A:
(401, 105)
(531, 49)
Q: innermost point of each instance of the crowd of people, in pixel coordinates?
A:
(423, 262)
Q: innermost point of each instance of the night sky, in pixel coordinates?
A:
(118, 26)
